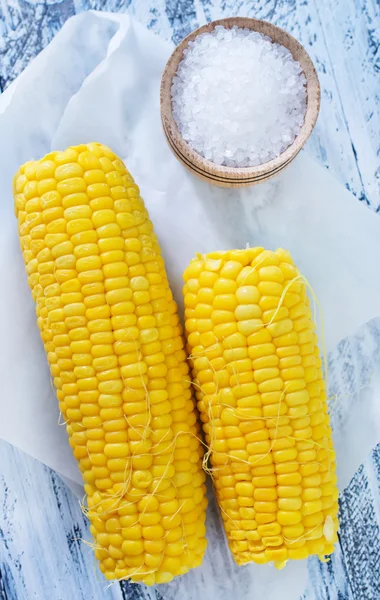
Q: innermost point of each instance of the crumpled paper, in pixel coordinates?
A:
(99, 81)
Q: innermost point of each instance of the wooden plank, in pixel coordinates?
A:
(361, 526)
(26, 29)
(353, 42)
(41, 528)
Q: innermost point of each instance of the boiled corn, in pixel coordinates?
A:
(113, 341)
(261, 396)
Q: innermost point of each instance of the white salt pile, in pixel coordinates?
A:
(238, 99)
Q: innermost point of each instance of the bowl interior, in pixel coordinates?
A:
(201, 165)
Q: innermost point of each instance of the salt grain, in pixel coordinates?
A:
(238, 98)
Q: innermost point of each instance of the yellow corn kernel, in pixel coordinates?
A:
(113, 340)
(263, 406)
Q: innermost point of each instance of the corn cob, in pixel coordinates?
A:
(113, 340)
(262, 400)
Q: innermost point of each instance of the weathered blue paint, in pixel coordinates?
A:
(41, 523)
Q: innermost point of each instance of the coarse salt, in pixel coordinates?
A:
(238, 98)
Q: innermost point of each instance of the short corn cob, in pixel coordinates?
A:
(262, 400)
(113, 340)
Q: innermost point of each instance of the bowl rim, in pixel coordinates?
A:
(206, 167)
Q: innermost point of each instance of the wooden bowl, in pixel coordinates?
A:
(230, 176)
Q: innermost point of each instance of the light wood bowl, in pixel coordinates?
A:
(229, 176)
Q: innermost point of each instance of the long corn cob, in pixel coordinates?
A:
(262, 400)
(113, 340)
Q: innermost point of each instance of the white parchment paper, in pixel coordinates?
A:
(99, 81)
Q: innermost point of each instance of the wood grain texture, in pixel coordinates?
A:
(41, 522)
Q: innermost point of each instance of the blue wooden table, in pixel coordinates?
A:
(41, 522)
